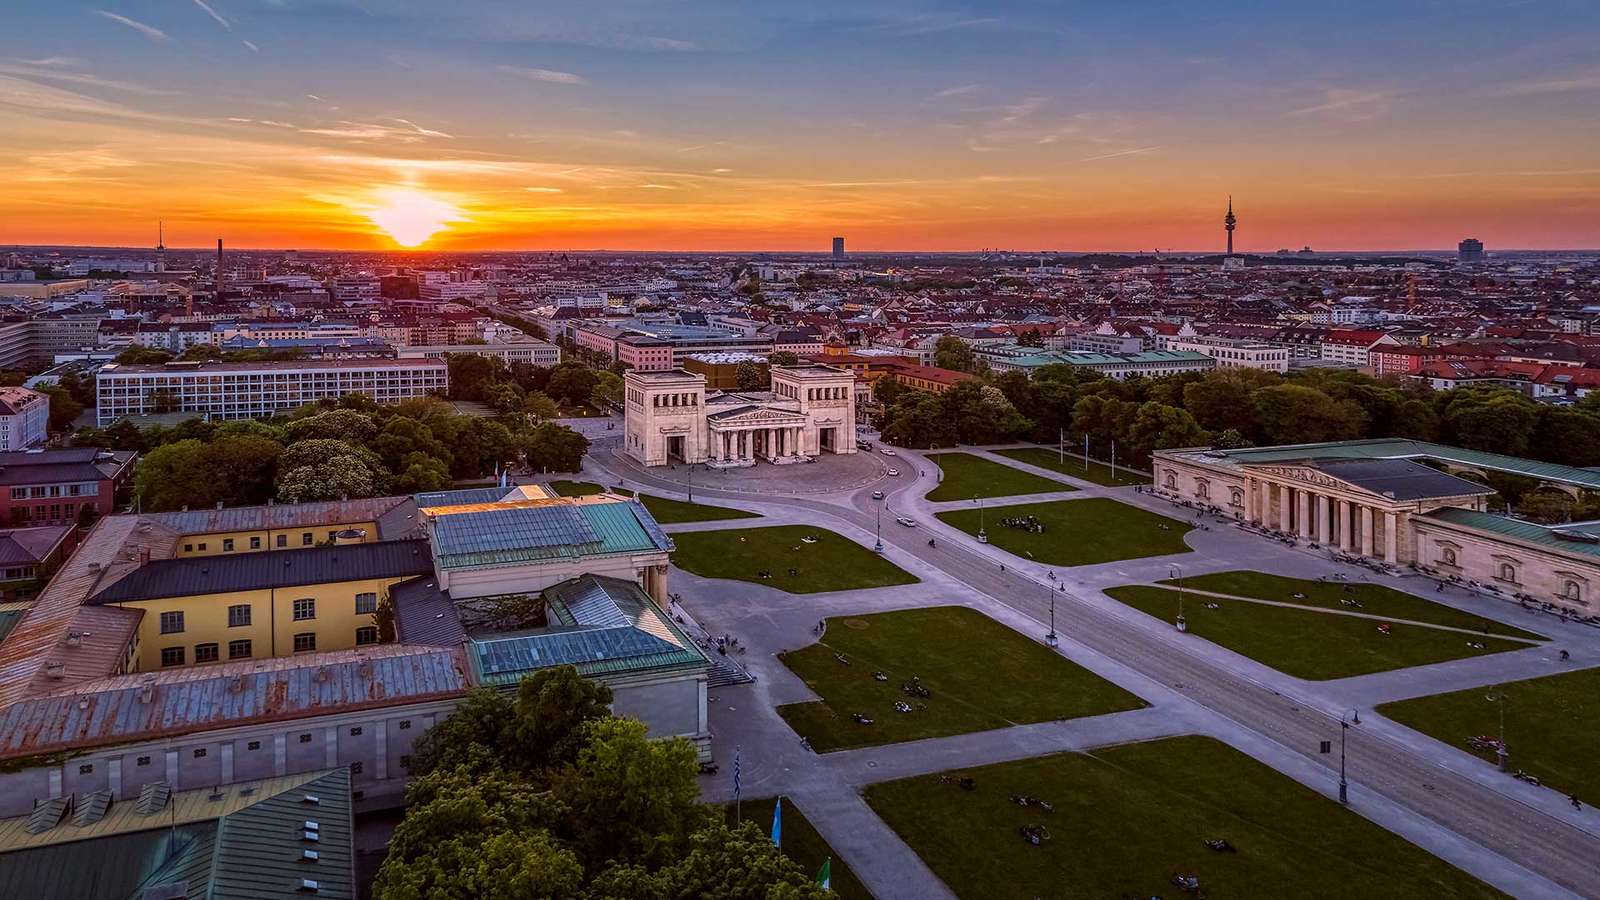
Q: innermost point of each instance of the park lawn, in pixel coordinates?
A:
(967, 476)
(1305, 644)
(833, 563)
(1129, 818)
(1551, 726)
(1077, 532)
(803, 844)
(981, 674)
(665, 511)
(1097, 472)
(1374, 598)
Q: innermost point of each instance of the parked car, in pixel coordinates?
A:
(894, 473)
(866, 445)
(888, 451)
(909, 523)
(877, 495)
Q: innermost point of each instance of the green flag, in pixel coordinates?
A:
(824, 878)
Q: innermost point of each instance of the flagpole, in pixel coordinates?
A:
(737, 816)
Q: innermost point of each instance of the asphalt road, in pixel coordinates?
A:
(1556, 849)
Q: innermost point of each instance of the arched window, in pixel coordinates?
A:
(1172, 480)
(1448, 556)
(1203, 490)
(1237, 497)
(1508, 572)
(1572, 591)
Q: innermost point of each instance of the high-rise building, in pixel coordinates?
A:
(838, 248)
(1470, 250)
(1229, 222)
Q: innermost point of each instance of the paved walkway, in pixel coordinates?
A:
(1435, 795)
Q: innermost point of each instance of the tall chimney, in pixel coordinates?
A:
(219, 268)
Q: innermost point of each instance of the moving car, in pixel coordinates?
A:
(909, 523)
(894, 472)
(877, 495)
(888, 451)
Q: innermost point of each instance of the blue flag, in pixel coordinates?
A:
(735, 773)
(777, 823)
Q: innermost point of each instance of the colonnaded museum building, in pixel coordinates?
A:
(809, 411)
(1403, 502)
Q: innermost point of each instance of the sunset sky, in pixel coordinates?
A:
(751, 125)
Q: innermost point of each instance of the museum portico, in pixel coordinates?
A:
(669, 417)
(1377, 499)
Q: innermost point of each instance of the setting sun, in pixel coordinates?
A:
(410, 216)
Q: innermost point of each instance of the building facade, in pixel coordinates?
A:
(61, 487)
(669, 417)
(532, 352)
(24, 418)
(224, 390)
(1403, 503)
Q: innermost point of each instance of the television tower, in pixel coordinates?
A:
(1229, 222)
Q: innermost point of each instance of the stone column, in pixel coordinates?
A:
(1344, 525)
(1285, 508)
(1323, 531)
(1250, 503)
(1391, 539)
(1366, 531)
(1304, 512)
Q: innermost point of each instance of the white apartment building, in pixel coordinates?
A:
(223, 390)
(1235, 354)
(24, 418)
(532, 352)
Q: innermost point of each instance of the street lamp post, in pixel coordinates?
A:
(1051, 637)
(1344, 783)
(878, 545)
(983, 534)
(691, 482)
(1177, 574)
(1500, 751)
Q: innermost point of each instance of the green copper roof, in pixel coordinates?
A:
(531, 534)
(1401, 448)
(1580, 537)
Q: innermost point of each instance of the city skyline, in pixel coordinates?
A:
(904, 126)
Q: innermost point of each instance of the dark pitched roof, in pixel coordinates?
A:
(423, 614)
(73, 464)
(1399, 479)
(192, 575)
(26, 546)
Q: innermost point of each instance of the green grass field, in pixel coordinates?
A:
(803, 844)
(1097, 472)
(1129, 818)
(665, 511)
(1552, 726)
(1374, 598)
(967, 476)
(1077, 532)
(833, 563)
(1306, 644)
(980, 673)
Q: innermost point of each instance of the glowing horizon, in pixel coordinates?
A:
(901, 125)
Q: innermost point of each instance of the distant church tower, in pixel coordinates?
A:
(1229, 222)
(161, 246)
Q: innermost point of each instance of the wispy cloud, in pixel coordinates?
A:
(1351, 105)
(548, 76)
(52, 61)
(542, 190)
(1582, 80)
(410, 133)
(935, 23)
(206, 7)
(251, 46)
(149, 31)
(425, 132)
(35, 71)
(1137, 151)
(960, 90)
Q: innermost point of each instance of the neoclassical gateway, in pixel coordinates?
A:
(1403, 502)
(669, 417)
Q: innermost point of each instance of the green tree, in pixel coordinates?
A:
(723, 863)
(503, 396)
(143, 356)
(64, 409)
(470, 374)
(166, 478)
(630, 799)
(1497, 421)
(336, 478)
(607, 392)
(1220, 402)
(572, 383)
(418, 472)
(1567, 436)
(750, 376)
(951, 352)
(555, 448)
(540, 728)
(401, 437)
(240, 468)
(539, 405)
(1161, 427)
(783, 358)
(335, 424)
(1295, 414)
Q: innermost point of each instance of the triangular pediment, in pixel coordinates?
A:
(759, 416)
(1307, 475)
